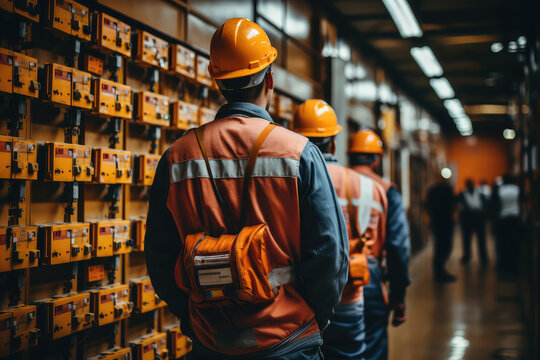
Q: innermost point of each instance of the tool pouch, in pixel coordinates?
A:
(230, 268)
(358, 263)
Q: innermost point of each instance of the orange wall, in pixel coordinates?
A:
(479, 158)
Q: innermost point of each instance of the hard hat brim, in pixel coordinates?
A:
(243, 72)
(314, 133)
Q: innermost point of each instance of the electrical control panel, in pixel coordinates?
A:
(179, 344)
(71, 18)
(6, 70)
(113, 166)
(59, 162)
(58, 83)
(6, 144)
(184, 115)
(152, 108)
(25, 253)
(150, 347)
(5, 333)
(5, 254)
(139, 232)
(183, 61)
(25, 75)
(113, 34)
(95, 273)
(30, 9)
(152, 50)
(24, 164)
(117, 353)
(66, 242)
(81, 94)
(206, 115)
(6, 5)
(113, 99)
(83, 165)
(65, 314)
(23, 331)
(111, 303)
(111, 237)
(93, 64)
(285, 108)
(144, 297)
(203, 76)
(146, 166)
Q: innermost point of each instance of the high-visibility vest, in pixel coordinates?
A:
(273, 200)
(370, 204)
(375, 245)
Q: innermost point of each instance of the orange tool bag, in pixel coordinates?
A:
(232, 268)
(358, 263)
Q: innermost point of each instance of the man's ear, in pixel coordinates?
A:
(270, 80)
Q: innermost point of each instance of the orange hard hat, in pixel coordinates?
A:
(315, 118)
(239, 48)
(366, 142)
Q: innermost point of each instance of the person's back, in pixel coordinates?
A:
(245, 238)
(509, 200)
(441, 202)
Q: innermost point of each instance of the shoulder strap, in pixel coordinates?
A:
(199, 134)
(348, 194)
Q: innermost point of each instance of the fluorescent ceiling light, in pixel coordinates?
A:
(496, 47)
(443, 88)
(454, 107)
(403, 17)
(427, 61)
(487, 109)
(466, 133)
(509, 134)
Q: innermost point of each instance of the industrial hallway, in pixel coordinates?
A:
(478, 317)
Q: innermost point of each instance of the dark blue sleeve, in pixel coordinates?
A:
(398, 247)
(162, 247)
(324, 245)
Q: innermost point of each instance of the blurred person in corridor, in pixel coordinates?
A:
(509, 225)
(472, 219)
(441, 204)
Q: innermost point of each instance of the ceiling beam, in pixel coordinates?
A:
(434, 34)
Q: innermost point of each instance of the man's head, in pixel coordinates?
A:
(240, 59)
(469, 184)
(317, 120)
(365, 148)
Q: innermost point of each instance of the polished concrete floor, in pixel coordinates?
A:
(477, 317)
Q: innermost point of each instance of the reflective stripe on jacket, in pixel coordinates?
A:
(369, 200)
(291, 193)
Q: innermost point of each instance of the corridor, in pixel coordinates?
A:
(475, 318)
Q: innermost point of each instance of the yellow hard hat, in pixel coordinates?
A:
(239, 48)
(315, 118)
(366, 142)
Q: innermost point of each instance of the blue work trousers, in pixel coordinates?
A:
(344, 338)
(375, 315)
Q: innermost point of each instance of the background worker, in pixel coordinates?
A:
(365, 152)
(441, 205)
(290, 193)
(508, 241)
(345, 336)
(473, 221)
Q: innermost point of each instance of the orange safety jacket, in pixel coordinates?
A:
(375, 246)
(370, 205)
(273, 200)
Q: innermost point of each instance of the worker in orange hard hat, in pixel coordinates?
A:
(246, 241)
(363, 202)
(365, 153)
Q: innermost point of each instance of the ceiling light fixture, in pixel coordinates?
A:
(427, 61)
(509, 134)
(443, 88)
(496, 47)
(403, 17)
(454, 107)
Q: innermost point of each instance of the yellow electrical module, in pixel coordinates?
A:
(23, 332)
(81, 246)
(81, 95)
(150, 346)
(147, 166)
(153, 108)
(184, 115)
(139, 232)
(111, 237)
(30, 9)
(152, 50)
(71, 18)
(6, 144)
(112, 99)
(64, 243)
(6, 70)
(144, 296)
(24, 164)
(113, 34)
(111, 303)
(25, 75)
(113, 166)
(5, 254)
(203, 76)
(179, 344)
(116, 353)
(5, 333)
(59, 162)
(183, 61)
(25, 253)
(83, 166)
